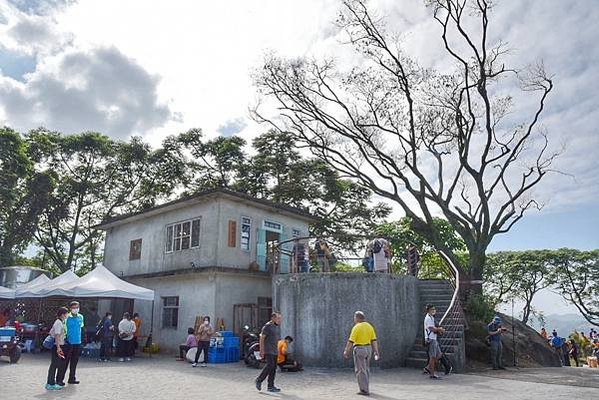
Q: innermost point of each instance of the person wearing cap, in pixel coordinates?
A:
(73, 327)
(362, 340)
(432, 344)
(495, 330)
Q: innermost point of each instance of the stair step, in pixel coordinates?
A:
(416, 362)
(447, 349)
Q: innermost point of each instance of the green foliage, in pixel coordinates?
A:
(344, 267)
(24, 194)
(480, 308)
(401, 234)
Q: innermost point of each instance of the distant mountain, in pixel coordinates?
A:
(564, 324)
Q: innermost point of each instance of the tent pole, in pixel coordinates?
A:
(150, 339)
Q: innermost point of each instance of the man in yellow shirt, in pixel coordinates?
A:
(363, 340)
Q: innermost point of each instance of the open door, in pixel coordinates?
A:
(261, 249)
(284, 255)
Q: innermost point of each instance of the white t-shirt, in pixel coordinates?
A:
(429, 322)
(57, 331)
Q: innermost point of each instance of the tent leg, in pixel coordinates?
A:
(150, 338)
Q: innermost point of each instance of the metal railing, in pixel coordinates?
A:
(453, 320)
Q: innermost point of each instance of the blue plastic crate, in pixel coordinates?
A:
(232, 354)
(232, 341)
(8, 331)
(217, 358)
(216, 350)
(226, 333)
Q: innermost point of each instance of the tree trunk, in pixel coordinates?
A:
(472, 282)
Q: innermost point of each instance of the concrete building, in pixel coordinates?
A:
(202, 255)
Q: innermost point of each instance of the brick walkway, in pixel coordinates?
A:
(163, 378)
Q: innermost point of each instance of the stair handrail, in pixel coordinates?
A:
(455, 272)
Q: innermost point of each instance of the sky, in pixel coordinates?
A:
(157, 68)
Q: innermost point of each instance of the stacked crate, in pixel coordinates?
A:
(224, 349)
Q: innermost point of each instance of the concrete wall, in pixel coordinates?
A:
(212, 294)
(318, 311)
(215, 214)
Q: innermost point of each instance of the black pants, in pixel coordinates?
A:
(56, 364)
(124, 348)
(270, 370)
(71, 358)
(106, 348)
(203, 346)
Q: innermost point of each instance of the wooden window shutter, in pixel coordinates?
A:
(232, 233)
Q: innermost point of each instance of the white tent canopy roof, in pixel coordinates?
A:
(60, 286)
(100, 282)
(6, 293)
(37, 282)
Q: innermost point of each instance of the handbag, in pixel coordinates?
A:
(48, 342)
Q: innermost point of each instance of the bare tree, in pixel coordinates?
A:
(432, 142)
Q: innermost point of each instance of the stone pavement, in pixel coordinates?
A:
(164, 378)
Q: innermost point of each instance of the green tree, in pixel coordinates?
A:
(427, 140)
(96, 177)
(576, 277)
(24, 194)
(215, 163)
(402, 234)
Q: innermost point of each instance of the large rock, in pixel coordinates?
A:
(531, 349)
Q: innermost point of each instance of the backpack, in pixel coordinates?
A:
(376, 246)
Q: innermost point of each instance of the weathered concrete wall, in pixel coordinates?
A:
(318, 312)
(214, 249)
(200, 293)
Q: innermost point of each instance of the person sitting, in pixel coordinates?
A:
(284, 359)
(190, 343)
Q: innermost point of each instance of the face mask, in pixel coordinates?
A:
(75, 310)
(206, 322)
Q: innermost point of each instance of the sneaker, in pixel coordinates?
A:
(61, 384)
(426, 371)
(121, 359)
(449, 371)
(363, 393)
(258, 385)
(274, 389)
(128, 359)
(73, 382)
(203, 365)
(194, 365)
(435, 377)
(53, 387)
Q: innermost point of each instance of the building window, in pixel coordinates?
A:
(246, 233)
(183, 235)
(264, 310)
(135, 249)
(295, 232)
(170, 312)
(273, 226)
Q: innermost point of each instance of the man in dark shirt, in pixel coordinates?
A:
(495, 330)
(269, 338)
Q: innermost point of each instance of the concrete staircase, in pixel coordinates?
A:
(439, 293)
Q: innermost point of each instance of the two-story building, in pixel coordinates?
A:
(202, 255)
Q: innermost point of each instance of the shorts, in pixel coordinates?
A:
(434, 350)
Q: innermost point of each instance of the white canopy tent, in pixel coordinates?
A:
(59, 286)
(100, 282)
(6, 293)
(39, 281)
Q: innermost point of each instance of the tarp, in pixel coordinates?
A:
(60, 286)
(100, 282)
(6, 293)
(39, 281)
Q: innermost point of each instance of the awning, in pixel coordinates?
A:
(6, 293)
(39, 281)
(60, 286)
(100, 282)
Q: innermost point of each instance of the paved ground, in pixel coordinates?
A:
(163, 378)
